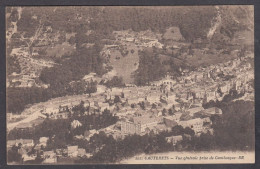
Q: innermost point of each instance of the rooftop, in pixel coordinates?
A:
(144, 119)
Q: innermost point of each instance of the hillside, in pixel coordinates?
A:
(43, 30)
(50, 47)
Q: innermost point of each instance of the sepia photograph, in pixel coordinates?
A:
(130, 85)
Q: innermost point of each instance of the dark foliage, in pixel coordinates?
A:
(149, 69)
(73, 69)
(13, 155)
(60, 132)
(116, 150)
(137, 19)
(115, 82)
(20, 98)
(234, 130)
(12, 65)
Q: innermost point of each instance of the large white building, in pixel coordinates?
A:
(139, 124)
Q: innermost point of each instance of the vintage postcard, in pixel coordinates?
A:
(130, 84)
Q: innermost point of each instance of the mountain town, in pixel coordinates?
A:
(83, 94)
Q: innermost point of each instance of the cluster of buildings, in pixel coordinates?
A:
(186, 94)
(25, 147)
(199, 121)
(141, 39)
(30, 69)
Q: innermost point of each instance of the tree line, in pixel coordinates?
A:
(107, 19)
(150, 68)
